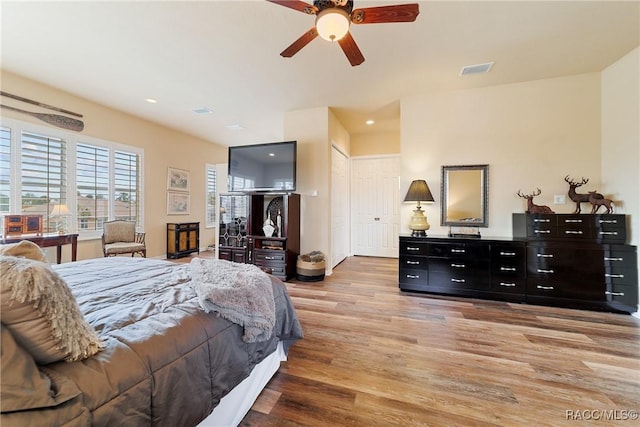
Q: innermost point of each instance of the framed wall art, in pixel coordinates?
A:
(178, 180)
(178, 203)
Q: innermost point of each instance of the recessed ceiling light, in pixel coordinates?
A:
(476, 69)
(370, 122)
(202, 110)
(272, 154)
(234, 127)
(151, 100)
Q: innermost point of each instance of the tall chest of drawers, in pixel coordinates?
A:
(579, 260)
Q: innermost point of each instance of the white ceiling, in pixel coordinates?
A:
(225, 55)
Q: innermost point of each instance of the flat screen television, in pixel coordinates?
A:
(263, 167)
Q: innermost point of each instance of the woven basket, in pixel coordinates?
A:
(310, 271)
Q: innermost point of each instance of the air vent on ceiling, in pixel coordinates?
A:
(476, 69)
(202, 110)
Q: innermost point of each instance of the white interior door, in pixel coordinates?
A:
(375, 188)
(339, 206)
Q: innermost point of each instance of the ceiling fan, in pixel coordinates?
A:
(333, 18)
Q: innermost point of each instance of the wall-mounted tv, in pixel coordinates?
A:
(263, 167)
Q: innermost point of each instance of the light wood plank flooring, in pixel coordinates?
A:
(373, 356)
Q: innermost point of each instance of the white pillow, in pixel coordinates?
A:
(42, 313)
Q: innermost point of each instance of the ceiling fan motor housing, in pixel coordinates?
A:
(347, 5)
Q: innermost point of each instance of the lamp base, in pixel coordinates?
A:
(418, 223)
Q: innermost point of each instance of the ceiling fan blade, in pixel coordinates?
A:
(381, 14)
(298, 5)
(304, 40)
(350, 48)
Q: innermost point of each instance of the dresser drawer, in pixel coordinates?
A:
(413, 277)
(459, 251)
(616, 257)
(413, 262)
(413, 248)
(266, 257)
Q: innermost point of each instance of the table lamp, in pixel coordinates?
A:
(61, 211)
(419, 192)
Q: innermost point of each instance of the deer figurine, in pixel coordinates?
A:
(596, 202)
(533, 208)
(580, 198)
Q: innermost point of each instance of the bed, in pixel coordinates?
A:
(157, 356)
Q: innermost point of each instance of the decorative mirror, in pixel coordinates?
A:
(465, 196)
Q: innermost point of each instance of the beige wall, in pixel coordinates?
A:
(621, 138)
(530, 134)
(375, 144)
(162, 146)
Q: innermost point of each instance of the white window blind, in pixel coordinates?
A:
(5, 170)
(43, 170)
(126, 170)
(211, 196)
(92, 185)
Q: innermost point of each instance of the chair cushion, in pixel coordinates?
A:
(120, 231)
(122, 248)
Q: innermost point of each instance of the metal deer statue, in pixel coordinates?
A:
(596, 202)
(580, 198)
(531, 207)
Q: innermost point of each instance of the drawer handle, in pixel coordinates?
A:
(544, 255)
(613, 259)
(508, 285)
(270, 258)
(458, 265)
(457, 251)
(413, 262)
(458, 280)
(411, 248)
(546, 288)
(545, 271)
(413, 276)
(507, 269)
(610, 233)
(542, 231)
(608, 221)
(614, 276)
(579, 221)
(507, 253)
(541, 220)
(572, 232)
(615, 294)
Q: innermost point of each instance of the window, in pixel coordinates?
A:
(43, 174)
(92, 186)
(126, 185)
(211, 196)
(97, 180)
(5, 169)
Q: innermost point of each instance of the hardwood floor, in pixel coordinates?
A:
(373, 356)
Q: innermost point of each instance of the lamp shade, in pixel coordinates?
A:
(419, 192)
(60, 210)
(332, 24)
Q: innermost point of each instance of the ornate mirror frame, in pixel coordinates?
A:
(461, 186)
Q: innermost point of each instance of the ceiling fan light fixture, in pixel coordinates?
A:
(332, 24)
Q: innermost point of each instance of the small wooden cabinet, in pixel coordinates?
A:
(233, 244)
(182, 239)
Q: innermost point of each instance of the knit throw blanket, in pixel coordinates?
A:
(240, 293)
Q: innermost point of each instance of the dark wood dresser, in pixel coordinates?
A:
(576, 261)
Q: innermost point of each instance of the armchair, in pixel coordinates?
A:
(120, 237)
